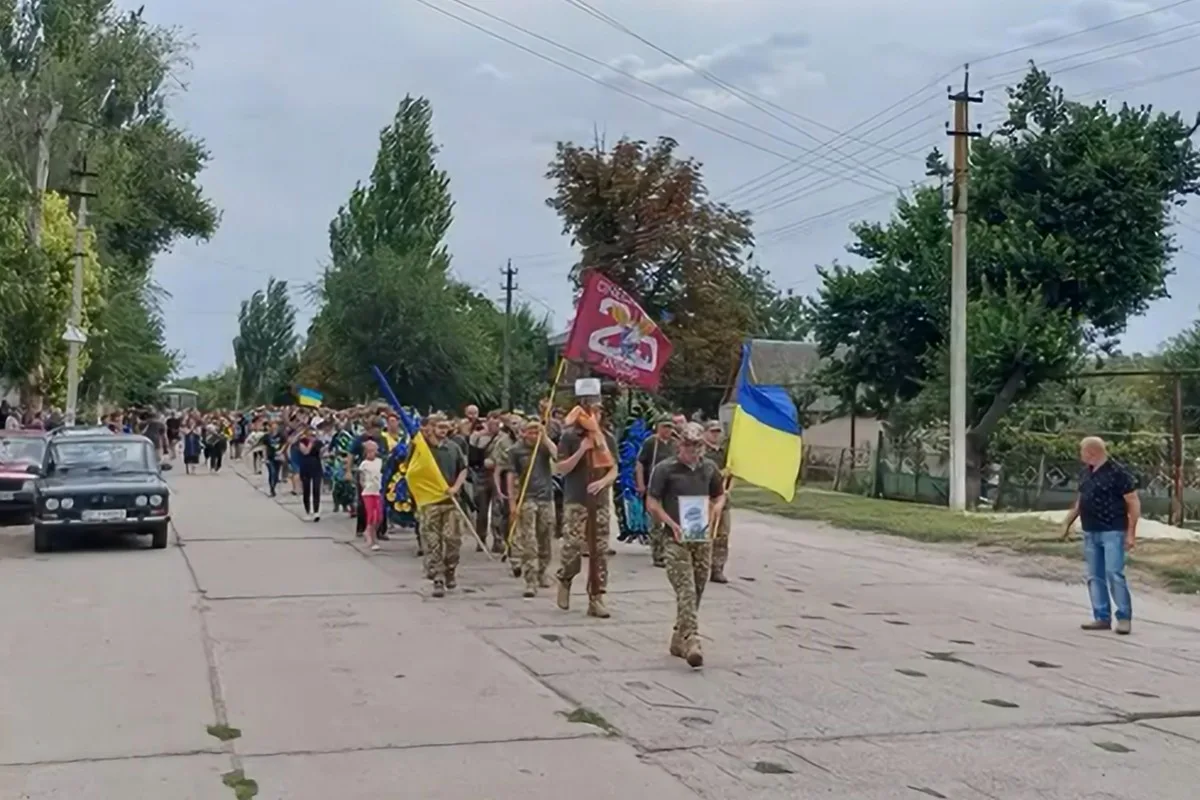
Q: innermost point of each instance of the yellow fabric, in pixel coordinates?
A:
(425, 481)
(763, 456)
(312, 402)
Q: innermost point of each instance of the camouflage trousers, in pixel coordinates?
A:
(688, 565)
(531, 540)
(720, 543)
(499, 522)
(575, 542)
(441, 534)
(658, 542)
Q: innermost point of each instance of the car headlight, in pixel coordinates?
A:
(52, 504)
(27, 486)
(67, 503)
(156, 500)
(140, 501)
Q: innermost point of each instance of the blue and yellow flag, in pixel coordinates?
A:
(309, 397)
(426, 484)
(764, 440)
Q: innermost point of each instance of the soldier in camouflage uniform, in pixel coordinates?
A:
(535, 517)
(655, 450)
(687, 475)
(573, 449)
(441, 528)
(497, 461)
(716, 453)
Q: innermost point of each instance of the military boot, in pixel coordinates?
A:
(564, 595)
(439, 588)
(596, 607)
(543, 581)
(718, 575)
(694, 656)
(451, 581)
(678, 646)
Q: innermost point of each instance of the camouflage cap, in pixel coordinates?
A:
(665, 419)
(691, 433)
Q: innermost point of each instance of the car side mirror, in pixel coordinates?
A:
(166, 467)
(33, 469)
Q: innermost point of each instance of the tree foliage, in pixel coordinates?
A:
(642, 216)
(89, 83)
(265, 347)
(388, 297)
(217, 390)
(1068, 239)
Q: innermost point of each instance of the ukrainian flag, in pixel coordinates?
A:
(309, 397)
(764, 440)
(426, 484)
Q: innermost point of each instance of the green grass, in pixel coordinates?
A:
(1173, 564)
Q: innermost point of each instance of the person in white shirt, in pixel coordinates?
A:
(370, 473)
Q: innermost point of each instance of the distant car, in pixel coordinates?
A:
(19, 450)
(100, 482)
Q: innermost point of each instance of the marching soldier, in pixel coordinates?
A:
(714, 451)
(687, 496)
(655, 450)
(441, 529)
(535, 517)
(584, 445)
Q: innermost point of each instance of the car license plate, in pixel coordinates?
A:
(8, 496)
(103, 515)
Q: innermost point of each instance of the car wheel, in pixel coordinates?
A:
(43, 539)
(160, 536)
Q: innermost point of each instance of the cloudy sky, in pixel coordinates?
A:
(290, 96)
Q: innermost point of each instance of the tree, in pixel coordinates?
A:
(1182, 352)
(388, 298)
(642, 216)
(82, 84)
(1068, 237)
(265, 347)
(218, 389)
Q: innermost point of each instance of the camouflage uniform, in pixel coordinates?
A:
(688, 566)
(535, 526)
(498, 452)
(653, 453)
(575, 541)
(442, 537)
(720, 544)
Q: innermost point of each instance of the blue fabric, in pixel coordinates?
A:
(770, 405)
(1104, 552)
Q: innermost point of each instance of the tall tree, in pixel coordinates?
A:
(641, 215)
(265, 347)
(82, 81)
(1068, 232)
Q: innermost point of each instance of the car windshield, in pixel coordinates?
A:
(96, 456)
(21, 450)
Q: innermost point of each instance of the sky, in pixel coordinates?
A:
(290, 97)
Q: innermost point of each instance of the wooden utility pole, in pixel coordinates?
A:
(509, 287)
(958, 292)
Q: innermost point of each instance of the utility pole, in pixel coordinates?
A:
(509, 287)
(75, 336)
(958, 292)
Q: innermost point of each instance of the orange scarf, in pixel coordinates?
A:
(601, 457)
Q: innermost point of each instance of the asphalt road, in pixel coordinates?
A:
(838, 666)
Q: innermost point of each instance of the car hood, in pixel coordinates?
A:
(16, 469)
(101, 482)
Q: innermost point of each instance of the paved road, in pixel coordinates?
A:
(838, 666)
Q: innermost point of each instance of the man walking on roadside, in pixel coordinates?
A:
(655, 450)
(535, 518)
(441, 529)
(1108, 510)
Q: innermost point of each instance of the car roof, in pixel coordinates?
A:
(107, 438)
(81, 430)
(23, 433)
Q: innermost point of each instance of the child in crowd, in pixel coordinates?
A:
(370, 475)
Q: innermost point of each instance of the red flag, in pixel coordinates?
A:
(613, 335)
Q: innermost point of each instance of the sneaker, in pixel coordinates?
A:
(439, 589)
(316, 517)
(307, 517)
(1096, 625)
(1124, 626)
(375, 548)
(695, 657)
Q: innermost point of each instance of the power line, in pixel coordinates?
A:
(631, 76)
(745, 95)
(1143, 82)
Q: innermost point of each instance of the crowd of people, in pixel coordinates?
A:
(516, 482)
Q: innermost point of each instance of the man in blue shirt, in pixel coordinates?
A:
(1108, 510)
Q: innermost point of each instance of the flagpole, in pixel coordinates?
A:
(512, 523)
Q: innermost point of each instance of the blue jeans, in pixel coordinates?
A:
(1104, 552)
(272, 475)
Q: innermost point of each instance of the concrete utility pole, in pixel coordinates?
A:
(958, 293)
(509, 287)
(75, 336)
